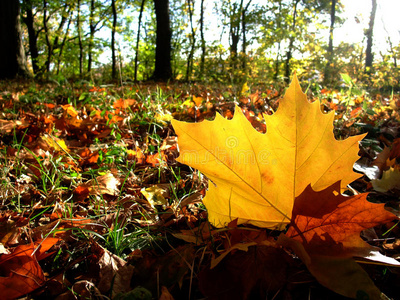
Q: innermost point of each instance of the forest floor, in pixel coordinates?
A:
(94, 205)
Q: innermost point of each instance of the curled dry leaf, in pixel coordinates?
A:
(104, 184)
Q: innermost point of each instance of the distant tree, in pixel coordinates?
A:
(163, 68)
(202, 39)
(113, 30)
(13, 60)
(138, 38)
(29, 20)
(369, 33)
(292, 38)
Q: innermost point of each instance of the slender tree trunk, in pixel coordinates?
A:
(369, 56)
(289, 53)
(47, 34)
(189, 64)
(32, 36)
(203, 42)
(328, 67)
(92, 29)
(138, 38)
(62, 45)
(52, 45)
(78, 25)
(114, 26)
(13, 60)
(163, 69)
(234, 31)
(244, 40)
(277, 62)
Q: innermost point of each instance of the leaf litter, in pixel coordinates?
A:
(93, 189)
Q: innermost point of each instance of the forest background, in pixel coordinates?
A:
(223, 41)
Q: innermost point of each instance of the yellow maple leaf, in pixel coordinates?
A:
(390, 180)
(255, 177)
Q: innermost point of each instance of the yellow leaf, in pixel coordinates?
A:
(197, 100)
(255, 177)
(163, 117)
(154, 195)
(70, 110)
(55, 143)
(245, 89)
(390, 180)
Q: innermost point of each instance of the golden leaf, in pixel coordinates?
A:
(255, 177)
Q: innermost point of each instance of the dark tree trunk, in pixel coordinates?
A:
(114, 26)
(244, 40)
(13, 60)
(52, 45)
(289, 53)
(369, 56)
(203, 42)
(189, 64)
(32, 35)
(277, 61)
(62, 46)
(138, 37)
(328, 67)
(163, 69)
(92, 29)
(78, 26)
(234, 32)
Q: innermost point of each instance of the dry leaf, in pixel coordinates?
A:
(255, 177)
(390, 180)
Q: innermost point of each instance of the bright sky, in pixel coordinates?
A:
(387, 16)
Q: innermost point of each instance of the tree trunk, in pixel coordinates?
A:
(92, 29)
(62, 45)
(163, 69)
(277, 62)
(138, 38)
(114, 26)
(244, 40)
(78, 26)
(328, 67)
(13, 60)
(52, 45)
(189, 64)
(369, 56)
(292, 37)
(32, 35)
(203, 42)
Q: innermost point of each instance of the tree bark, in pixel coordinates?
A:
(369, 55)
(13, 60)
(189, 64)
(203, 41)
(138, 38)
(32, 35)
(289, 53)
(78, 26)
(244, 40)
(114, 26)
(328, 67)
(163, 69)
(277, 62)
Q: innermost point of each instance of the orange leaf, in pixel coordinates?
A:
(330, 223)
(21, 271)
